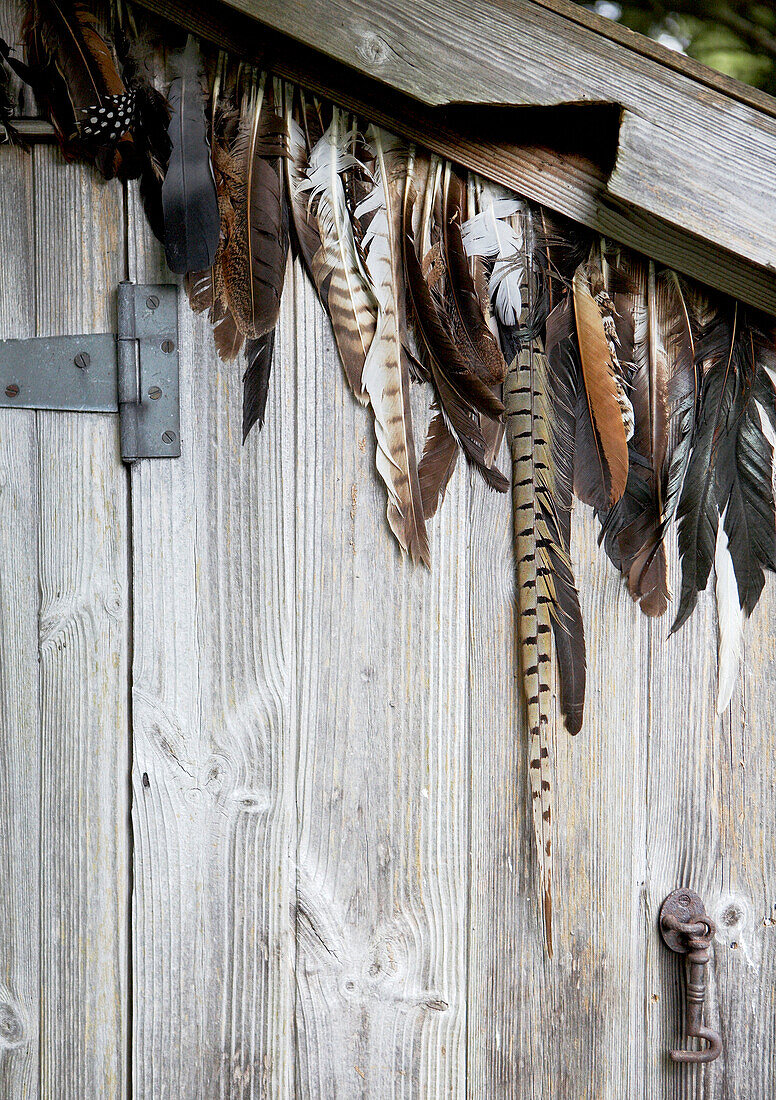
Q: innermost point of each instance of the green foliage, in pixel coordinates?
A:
(736, 37)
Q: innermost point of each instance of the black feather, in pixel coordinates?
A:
(189, 200)
(258, 356)
(730, 467)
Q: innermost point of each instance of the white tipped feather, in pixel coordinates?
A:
(730, 619)
(495, 233)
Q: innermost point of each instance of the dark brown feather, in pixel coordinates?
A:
(253, 260)
(437, 464)
(76, 76)
(451, 376)
(470, 329)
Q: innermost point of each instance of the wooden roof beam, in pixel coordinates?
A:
(685, 174)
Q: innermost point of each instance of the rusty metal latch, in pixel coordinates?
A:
(134, 373)
(687, 929)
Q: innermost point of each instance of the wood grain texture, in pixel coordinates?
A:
(83, 654)
(673, 126)
(19, 710)
(334, 883)
(215, 730)
(382, 764)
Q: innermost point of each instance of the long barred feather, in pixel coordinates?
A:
(540, 419)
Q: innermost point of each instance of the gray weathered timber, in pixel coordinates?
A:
(19, 706)
(83, 657)
(673, 129)
(334, 885)
(382, 850)
(63, 661)
(215, 731)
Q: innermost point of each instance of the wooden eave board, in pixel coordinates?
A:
(698, 158)
(674, 193)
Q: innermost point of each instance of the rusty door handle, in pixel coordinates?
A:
(686, 929)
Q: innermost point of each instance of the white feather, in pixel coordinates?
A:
(730, 618)
(490, 235)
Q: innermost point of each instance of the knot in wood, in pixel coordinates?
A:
(11, 1026)
(371, 49)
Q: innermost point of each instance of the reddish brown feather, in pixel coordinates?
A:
(609, 444)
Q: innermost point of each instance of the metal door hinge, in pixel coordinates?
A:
(134, 373)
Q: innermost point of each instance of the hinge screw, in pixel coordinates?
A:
(82, 360)
(154, 393)
(12, 390)
(168, 346)
(168, 437)
(152, 301)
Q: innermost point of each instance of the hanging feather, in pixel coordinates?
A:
(386, 376)
(254, 256)
(601, 468)
(254, 247)
(494, 233)
(462, 394)
(151, 119)
(206, 289)
(189, 201)
(8, 132)
(540, 409)
(337, 265)
(729, 477)
(631, 529)
(73, 71)
(469, 327)
(258, 357)
(300, 119)
(684, 385)
(437, 463)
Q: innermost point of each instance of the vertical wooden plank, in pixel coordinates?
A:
(214, 696)
(84, 644)
(683, 843)
(19, 714)
(383, 763)
(544, 1028)
(744, 902)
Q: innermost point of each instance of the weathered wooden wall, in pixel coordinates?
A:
(329, 853)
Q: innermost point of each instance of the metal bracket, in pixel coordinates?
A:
(134, 373)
